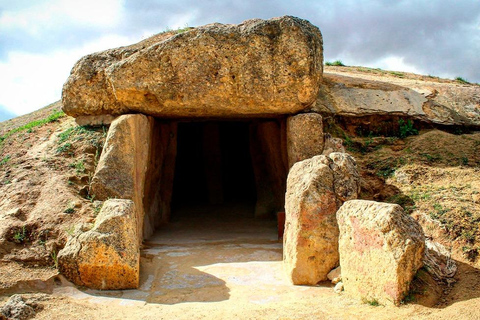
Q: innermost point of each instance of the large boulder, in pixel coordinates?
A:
(259, 67)
(108, 255)
(316, 188)
(381, 249)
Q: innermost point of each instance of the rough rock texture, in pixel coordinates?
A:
(16, 309)
(122, 167)
(108, 255)
(259, 67)
(440, 103)
(104, 119)
(332, 145)
(19, 307)
(304, 137)
(381, 249)
(316, 188)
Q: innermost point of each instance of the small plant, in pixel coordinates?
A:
(20, 236)
(64, 147)
(91, 197)
(336, 63)
(70, 230)
(406, 128)
(461, 80)
(79, 166)
(386, 172)
(431, 158)
(439, 211)
(54, 256)
(349, 143)
(97, 208)
(397, 74)
(410, 297)
(69, 209)
(5, 160)
(373, 302)
(464, 161)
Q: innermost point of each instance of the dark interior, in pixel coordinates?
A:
(213, 165)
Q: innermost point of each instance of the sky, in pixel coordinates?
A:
(41, 40)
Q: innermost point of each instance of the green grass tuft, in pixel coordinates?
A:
(29, 126)
(461, 80)
(336, 63)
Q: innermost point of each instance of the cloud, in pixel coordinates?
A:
(44, 25)
(437, 37)
(30, 81)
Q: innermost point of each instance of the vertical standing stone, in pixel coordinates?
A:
(269, 167)
(316, 188)
(160, 174)
(122, 167)
(304, 137)
(381, 249)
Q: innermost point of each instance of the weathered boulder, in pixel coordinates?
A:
(311, 230)
(259, 67)
(304, 137)
(381, 249)
(122, 167)
(108, 255)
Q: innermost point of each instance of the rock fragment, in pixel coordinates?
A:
(108, 255)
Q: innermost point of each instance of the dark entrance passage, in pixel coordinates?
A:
(218, 169)
(213, 167)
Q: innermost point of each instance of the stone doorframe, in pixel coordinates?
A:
(137, 165)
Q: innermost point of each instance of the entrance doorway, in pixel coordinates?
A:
(213, 169)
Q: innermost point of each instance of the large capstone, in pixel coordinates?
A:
(256, 68)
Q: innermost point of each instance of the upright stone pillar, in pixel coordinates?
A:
(316, 188)
(304, 137)
(121, 170)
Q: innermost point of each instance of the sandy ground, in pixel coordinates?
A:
(204, 267)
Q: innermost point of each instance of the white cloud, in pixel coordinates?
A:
(396, 64)
(52, 14)
(31, 81)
